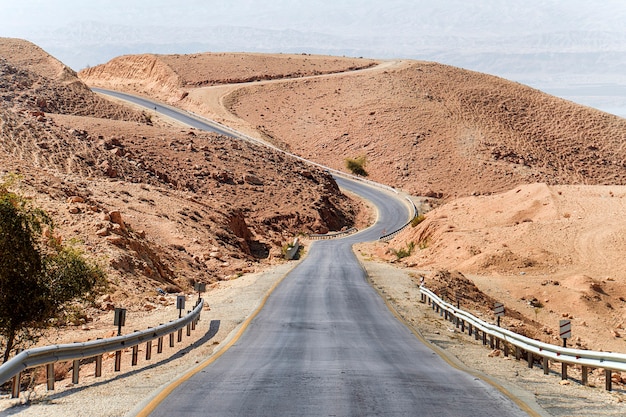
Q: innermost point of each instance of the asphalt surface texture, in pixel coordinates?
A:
(325, 344)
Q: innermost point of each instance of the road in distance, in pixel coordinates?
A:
(325, 344)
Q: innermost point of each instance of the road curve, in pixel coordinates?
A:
(165, 110)
(325, 344)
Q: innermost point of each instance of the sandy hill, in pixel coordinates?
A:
(157, 205)
(426, 127)
(533, 185)
(170, 76)
(546, 252)
(459, 132)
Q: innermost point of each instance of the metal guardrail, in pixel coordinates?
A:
(608, 361)
(389, 236)
(73, 351)
(350, 231)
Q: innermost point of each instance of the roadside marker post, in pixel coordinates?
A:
(119, 319)
(498, 310)
(200, 287)
(565, 331)
(180, 305)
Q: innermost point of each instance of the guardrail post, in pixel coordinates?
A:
(188, 329)
(98, 366)
(171, 339)
(160, 345)
(15, 388)
(193, 324)
(584, 375)
(518, 353)
(476, 333)
(608, 383)
(563, 371)
(462, 326)
(529, 357)
(75, 371)
(469, 329)
(148, 350)
(484, 338)
(506, 349)
(135, 355)
(50, 376)
(497, 343)
(491, 342)
(546, 364)
(118, 360)
(180, 335)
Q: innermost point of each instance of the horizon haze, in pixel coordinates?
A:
(572, 49)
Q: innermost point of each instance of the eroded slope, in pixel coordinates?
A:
(157, 206)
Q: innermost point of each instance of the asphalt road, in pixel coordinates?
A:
(325, 344)
(168, 111)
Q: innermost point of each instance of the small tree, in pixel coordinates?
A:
(357, 165)
(38, 275)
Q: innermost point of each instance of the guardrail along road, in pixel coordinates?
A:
(325, 344)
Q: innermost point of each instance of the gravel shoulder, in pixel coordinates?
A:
(545, 395)
(118, 394)
(231, 302)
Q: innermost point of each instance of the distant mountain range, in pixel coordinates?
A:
(554, 57)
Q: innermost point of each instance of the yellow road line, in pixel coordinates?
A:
(158, 399)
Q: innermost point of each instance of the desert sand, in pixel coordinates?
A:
(526, 190)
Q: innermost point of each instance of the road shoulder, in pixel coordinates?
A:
(543, 395)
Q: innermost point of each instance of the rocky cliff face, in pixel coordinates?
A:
(156, 205)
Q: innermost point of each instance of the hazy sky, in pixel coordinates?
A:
(21, 17)
(543, 43)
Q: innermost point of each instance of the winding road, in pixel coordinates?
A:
(325, 344)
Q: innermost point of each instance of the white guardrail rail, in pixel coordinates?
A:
(393, 234)
(48, 355)
(530, 348)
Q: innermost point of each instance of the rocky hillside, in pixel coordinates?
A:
(170, 77)
(157, 206)
(435, 129)
(428, 128)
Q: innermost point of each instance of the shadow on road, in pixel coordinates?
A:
(214, 327)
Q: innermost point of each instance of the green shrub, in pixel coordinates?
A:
(417, 220)
(38, 275)
(404, 252)
(357, 165)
